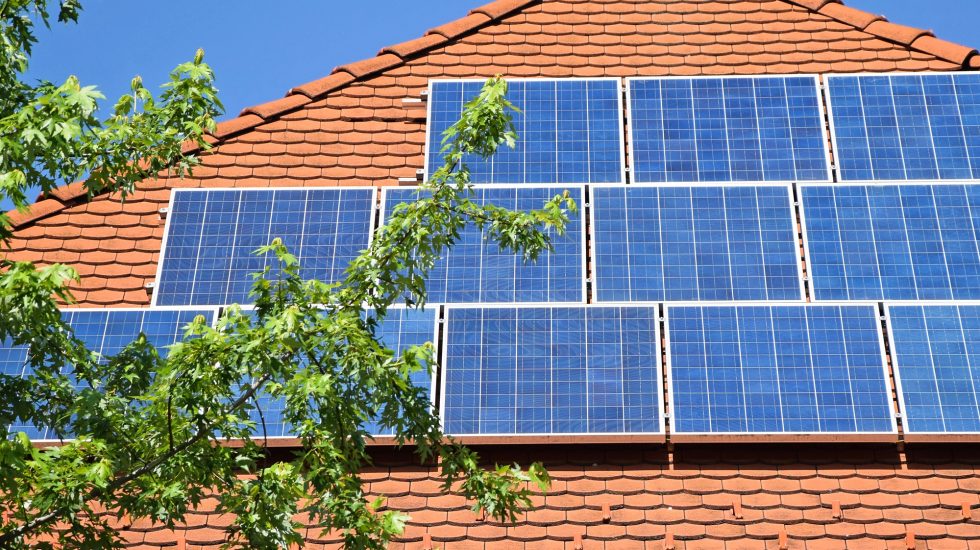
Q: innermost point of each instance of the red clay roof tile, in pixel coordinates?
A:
(415, 46)
(322, 86)
(277, 107)
(896, 33)
(36, 211)
(846, 14)
(236, 125)
(457, 28)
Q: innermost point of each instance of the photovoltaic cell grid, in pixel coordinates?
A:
(208, 254)
(906, 127)
(106, 332)
(477, 271)
(695, 243)
(539, 370)
(727, 129)
(569, 131)
(777, 369)
(936, 351)
(892, 242)
(399, 330)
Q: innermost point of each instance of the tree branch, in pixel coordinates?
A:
(120, 481)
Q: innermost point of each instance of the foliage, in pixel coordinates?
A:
(151, 435)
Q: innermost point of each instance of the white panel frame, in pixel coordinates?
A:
(594, 295)
(913, 436)
(170, 210)
(833, 132)
(560, 438)
(781, 437)
(215, 310)
(582, 219)
(427, 163)
(632, 140)
(373, 440)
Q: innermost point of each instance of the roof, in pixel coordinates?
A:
(352, 128)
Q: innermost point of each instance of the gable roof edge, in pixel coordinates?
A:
(392, 56)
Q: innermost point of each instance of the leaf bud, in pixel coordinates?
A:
(136, 83)
(199, 56)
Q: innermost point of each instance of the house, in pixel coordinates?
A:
(354, 128)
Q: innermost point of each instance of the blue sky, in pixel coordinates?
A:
(260, 49)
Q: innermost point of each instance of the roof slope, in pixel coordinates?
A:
(351, 128)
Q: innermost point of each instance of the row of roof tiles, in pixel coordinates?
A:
(858, 497)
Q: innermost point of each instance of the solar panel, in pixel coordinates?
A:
(936, 356)
(695, 243)
(777, 370)
(212, 234)
(477, 271)
(557, 371)
(909, 127)
(399, 330)
(892, 242)
(106, 332)
(730, 129)
(569, 131)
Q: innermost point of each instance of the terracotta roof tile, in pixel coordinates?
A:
(897, 33)
(277, 107)
(457, 28)
(38, 210)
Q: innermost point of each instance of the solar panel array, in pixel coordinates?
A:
(570, 131)
(552, 371)
(106, 332)
(212, 234)
(936, 352)
(731, 129)
(793, 369)
(908, 127)
(399, 330)
(893, 242)
(758, 365)
(476, 270)
(695, 243)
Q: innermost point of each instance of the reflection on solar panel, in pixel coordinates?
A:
(936, 352)
(477, 271)
(893, 242)
(777, 370)
(906, 126)
(569, 131)
(107, 332)
(560, 370)
(726, 129)
(208, 253)
(399, 330)
(695, 243)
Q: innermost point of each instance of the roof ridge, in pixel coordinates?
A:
(921, 40)
(392, 56)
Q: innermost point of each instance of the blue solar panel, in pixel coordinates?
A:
(906, 126)
(727, 129)
(107, 332)
(894, 242)
(208, 252)
(477, 271)
(569, 131)
(695, 243)
(936, 354)
(399, 330)
(777, 370)
(559, 370)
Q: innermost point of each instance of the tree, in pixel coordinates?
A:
(150, 434)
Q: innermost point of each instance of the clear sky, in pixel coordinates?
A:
(260, 49)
